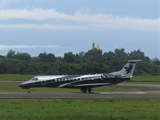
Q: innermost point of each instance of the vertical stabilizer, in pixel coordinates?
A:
(128, 69)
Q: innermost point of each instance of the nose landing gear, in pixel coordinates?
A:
(29, 91)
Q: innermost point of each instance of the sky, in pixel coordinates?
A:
(61, 26)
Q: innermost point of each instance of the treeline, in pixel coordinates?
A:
(93, 61)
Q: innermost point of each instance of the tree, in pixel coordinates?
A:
(51, 57)
(23, 56)
(93, 56)
(81, 54)
(156, 61)
(43, 57)
(93, 61)
(69, 57)
(1, 56)
(120, 54)
(138, 54)
(11, 54)
(109, 55)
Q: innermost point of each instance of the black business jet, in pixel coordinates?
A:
(83, 82)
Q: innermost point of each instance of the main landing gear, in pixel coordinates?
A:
(84, 90)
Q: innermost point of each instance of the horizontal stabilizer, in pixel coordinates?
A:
(133, 61)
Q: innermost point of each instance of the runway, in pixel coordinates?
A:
(143, 91)
(51, 95)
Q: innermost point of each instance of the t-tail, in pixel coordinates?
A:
(128, 69)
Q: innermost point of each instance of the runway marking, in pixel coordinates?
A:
(122, 92)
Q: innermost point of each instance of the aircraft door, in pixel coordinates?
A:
(43, 83)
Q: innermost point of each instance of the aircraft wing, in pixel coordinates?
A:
(92, 84)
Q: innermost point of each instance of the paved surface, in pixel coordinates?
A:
(12, 82)
(140, 87)
(144, 91)
(50, 95)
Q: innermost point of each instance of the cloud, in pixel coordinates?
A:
(87, 20)
(3, 47)
(45, 26)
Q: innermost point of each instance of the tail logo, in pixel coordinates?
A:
(128, 69)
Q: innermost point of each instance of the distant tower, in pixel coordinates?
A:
(98, 47)
(93, 46)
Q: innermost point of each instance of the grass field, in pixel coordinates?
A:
(13, 87)
(80, 109)
(145, 79)
(15, 77)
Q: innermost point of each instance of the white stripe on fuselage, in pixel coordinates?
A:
(65, 77)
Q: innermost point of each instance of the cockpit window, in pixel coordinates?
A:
(34, 79)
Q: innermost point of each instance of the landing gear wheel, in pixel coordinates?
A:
(90, 91)
(84, 90)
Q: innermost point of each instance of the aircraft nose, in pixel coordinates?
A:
(20, 85)
(24, 85)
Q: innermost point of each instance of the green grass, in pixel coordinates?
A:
(145, 79)
(15, 77)
(13, 87)
(80, 109)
